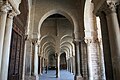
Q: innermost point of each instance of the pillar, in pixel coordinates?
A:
(71, 67)
(73, 64)
(57, 66)
(94, 62)
(67, 65)
(106, 47)
(27, 59)
(3, 16)
(114, 37)
(36, 60)
(77, 60)
(6, 47)
(40, 66)
(84, 57)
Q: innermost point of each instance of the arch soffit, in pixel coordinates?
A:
(47, 43)
(67, 48)
(56, 11)
(66, 52)
(51, 38)
(49, 48)
(48, 52)
(66, 36)
(66, 43)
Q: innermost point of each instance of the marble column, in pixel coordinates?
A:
(3, 16)
(77, 60)
(27, 59)
(40, 66)
(114, 36)
(71, 67)
(106, 46)
(57, 66)
(36, 60)
(6, 46)
(84, 60)
(67, 66)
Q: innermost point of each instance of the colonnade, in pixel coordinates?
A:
(88, 59)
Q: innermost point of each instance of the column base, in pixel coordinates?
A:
(78, 77)
(57, 76)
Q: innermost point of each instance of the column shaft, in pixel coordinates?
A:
(6, 48)
(106, 47)
(93, 61)
(40, 65)
(77, 60)
(58, 67)
(36, 60)
(114, 36)
(28, 53)
(3, 17)
(71, 70)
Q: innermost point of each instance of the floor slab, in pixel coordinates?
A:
(51, 75)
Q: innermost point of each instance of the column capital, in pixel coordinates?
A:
(91, 40)
(35, 41)
(5, 8)
(110, 7)
(77, 41)
(11, 14)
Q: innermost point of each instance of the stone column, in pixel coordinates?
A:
(114, 36)
(93, 60)
(84, 60)
(40, 66)
(71, 67)
(57, 66)
(92, 43)
(36, 60)
(27, 59)
(6, 46)
(3, 16)
(106, 47)
(73, 64)
(67, 66)
(77, 60)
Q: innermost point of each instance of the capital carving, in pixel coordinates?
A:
(91, 41)
(11, 14)
(108, 8)
(6, 7)
(111, 7)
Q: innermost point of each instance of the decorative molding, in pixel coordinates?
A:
(108, 7)
(5, 8)
(88, 41)
(15, 5)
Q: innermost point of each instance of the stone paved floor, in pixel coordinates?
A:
(64, 75)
